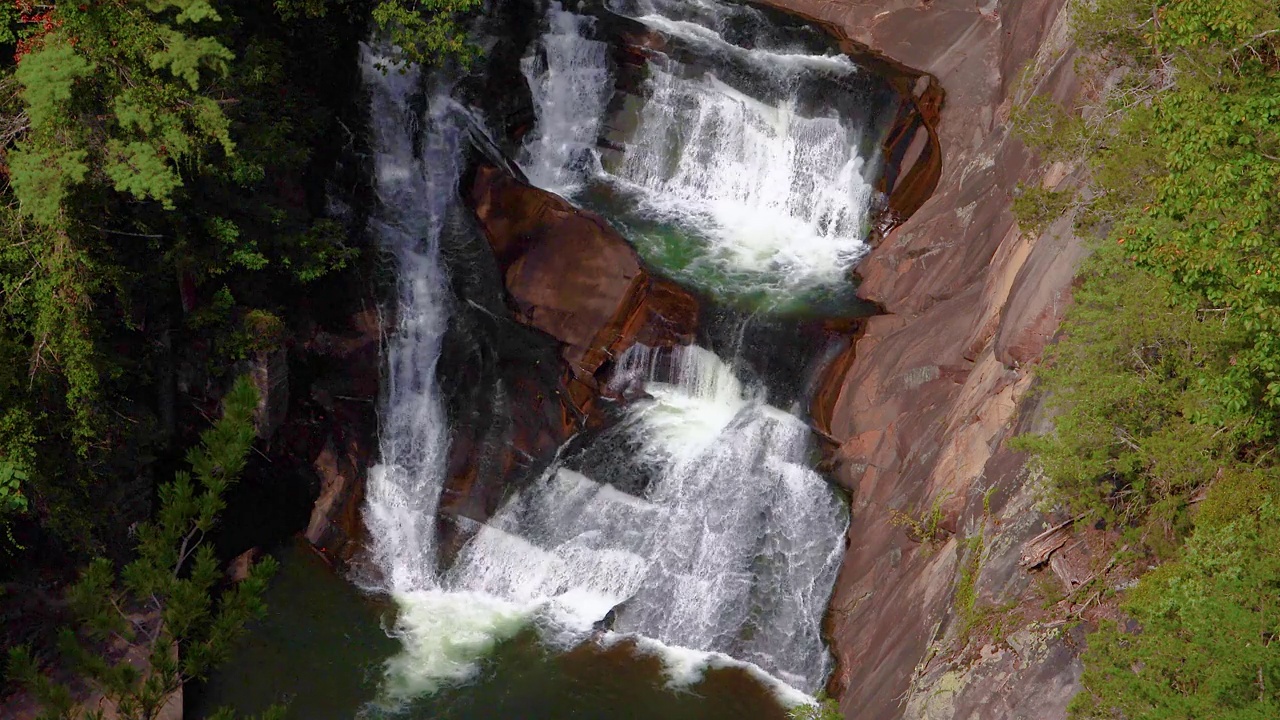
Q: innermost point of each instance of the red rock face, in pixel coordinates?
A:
(924, 401)
(333, 430)
(569, 275)
(572, 276)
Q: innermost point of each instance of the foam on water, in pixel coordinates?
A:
(772, 200)
(775, 194)
(443, 634)
(782, 62)
(739, 516)
(703, 527)
(685, 667)
(697, 399)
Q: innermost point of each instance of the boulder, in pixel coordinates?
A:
(524, 377)
(239, 567)
(569, 274)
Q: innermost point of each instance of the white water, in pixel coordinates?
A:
(773, 195)
(570, 86)
(413, 193)
(727, 556)
(744, 549)
(443, 631)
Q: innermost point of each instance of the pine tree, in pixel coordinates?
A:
(163, 601)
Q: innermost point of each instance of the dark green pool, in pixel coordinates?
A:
(321, 651)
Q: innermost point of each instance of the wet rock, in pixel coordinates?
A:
(331, 436)
(335, 524)
(524, 375)
(572, 276)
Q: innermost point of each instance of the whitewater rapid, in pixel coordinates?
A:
(696, 526)
(761, 194)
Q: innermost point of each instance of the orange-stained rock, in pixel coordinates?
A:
(572, 276)
(239, 567)
(332, 433)
(336, 526)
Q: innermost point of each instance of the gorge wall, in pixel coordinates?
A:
(924, 401)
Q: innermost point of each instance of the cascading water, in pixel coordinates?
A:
(694, 527)
(746, 542)
(732, 546)
(734, 179)
(412, 189)
(570, 93)
(416, 169)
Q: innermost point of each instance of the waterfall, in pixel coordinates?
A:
(570, 85)
(414, 189)
(767, 193)
(740, 516)
(695, 526)
(417, 158)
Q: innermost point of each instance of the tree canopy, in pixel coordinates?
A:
(1166, 381)
(166, 188)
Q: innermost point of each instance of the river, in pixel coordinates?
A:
(679, 563)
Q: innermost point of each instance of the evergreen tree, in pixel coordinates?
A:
(163, 601)
(1167, 377)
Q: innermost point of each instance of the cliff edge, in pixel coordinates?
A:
(934, 615)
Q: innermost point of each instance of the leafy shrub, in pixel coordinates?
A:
(1205, 645)
(1132, 382)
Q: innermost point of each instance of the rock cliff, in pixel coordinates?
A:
(927, 396)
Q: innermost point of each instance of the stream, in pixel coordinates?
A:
(676, 564)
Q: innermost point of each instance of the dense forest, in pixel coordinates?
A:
(1167, 374)
(182, 189)
(178, 182)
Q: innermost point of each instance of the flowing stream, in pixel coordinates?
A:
(695, 526)
(694, 531)
(734, 173)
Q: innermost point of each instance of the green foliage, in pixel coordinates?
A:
(1206, 647)
(822, 709)
(1036, 208)
(12, 500)
(1182, 132)
(264, 331)
(154, 151)
(43, 177)
(966, 598)
(318, 251)
(1133, 383)
(427, 31)
(117, 87)
(163, 601)
(927, 528)
(1167, 379)
(1046, 126)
